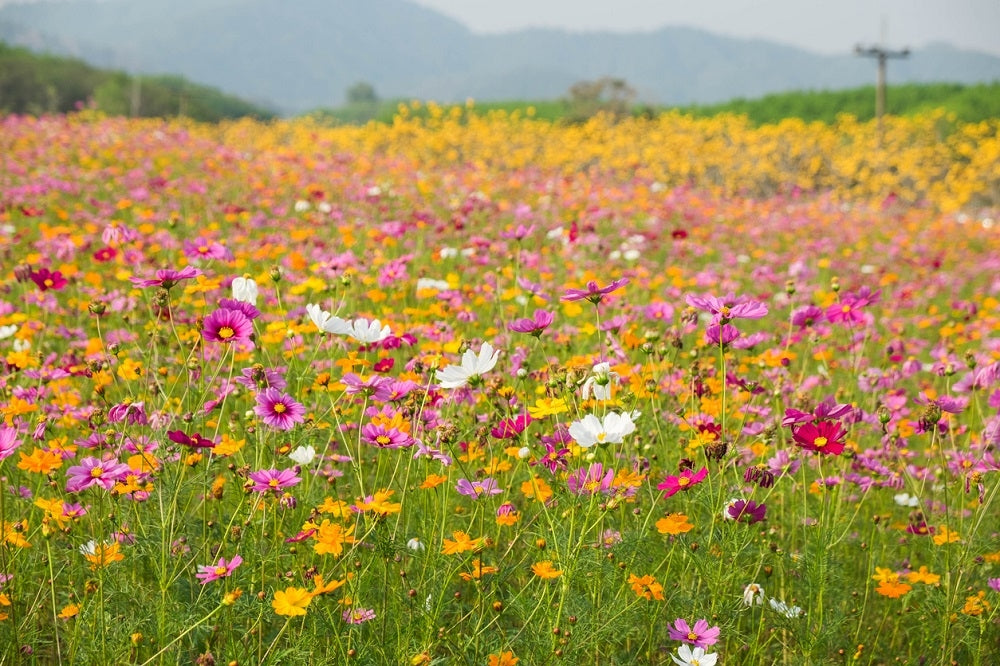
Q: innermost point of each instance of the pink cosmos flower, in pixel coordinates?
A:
(9, 441)
(683, 481)
(541, 320)
(700, 635)
(591, 480)
(728, 307)
(358, 615)
(227, 326)
(477, 489)
(95, 472)
(133, 413)
(745, 511)
(278, 409)
(385, 438)
(266, 480)
(223, 569)
(594, 293)
(167, 277)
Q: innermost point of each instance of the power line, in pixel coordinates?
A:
(883, 55)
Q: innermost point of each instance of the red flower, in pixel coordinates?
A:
(822, 437)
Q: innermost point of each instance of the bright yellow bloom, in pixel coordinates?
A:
(13, 533)
(945, 535)
(503, 659)
(40, 461)
(291, 601)
(674, 523)
(433, 481)
(548, 407)
(379, 503)
(102, 554)
(884, 575)
(538, 488)
(478, 570)
(646, 587)
(68, 611)
(331, 537)
(976, 604)
(322, 587)
(923, 576)
(893, 589)
(545, 569)
(462, 542)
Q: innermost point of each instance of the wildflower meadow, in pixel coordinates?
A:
(485, 389)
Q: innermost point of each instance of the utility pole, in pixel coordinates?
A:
(882, 54)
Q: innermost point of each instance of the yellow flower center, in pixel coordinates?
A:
(273, 483)
(279, 408)
(382, 440)
(220, 571)
(819, 442)
(692, 636)
(601, 436)
(226, 332)
(48, 282)
(96, 473)
(683, 481)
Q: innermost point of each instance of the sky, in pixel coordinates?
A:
(823, 26)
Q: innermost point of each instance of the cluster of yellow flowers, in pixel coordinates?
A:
(928, 158)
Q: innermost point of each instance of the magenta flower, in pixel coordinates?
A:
(46, 279)
(683, 481)
(95, 472)
(167, 277)
(195, 441)
(511, 428)
(594, 293)
(828, 409)
(477, 489)
(541, 320)
(278, 409)
(258, 377)
(374, 387)
(133, 413)
(223, 569)
(591, 480)
(700, 635)
(272, 479)
(554, 458)
(745, 511)
(249, 310)
(227, 326)
(721, 335)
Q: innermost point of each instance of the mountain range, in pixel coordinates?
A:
(295, 56)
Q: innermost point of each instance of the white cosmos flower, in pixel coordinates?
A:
(473, 365)
(785, 609)
(753, 594)
(89, 548)
(429, 283)
(318, 316)
(367, 332)
(303, 455)
(611, 430)
(689, 656)
(906, 499)
(7, 331)
(245, 290)
(600, 382)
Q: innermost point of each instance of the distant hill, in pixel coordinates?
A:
(33, 83)
(305, 54)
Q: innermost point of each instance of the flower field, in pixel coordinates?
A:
(482, 389)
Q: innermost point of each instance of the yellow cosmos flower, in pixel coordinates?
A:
(291, 601)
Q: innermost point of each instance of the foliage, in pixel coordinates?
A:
(36, 84)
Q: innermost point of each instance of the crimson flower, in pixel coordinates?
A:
(46, 279)
(195, 441)
(511, 428)
(823, 437)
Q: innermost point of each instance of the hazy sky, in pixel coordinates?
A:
(826, 26)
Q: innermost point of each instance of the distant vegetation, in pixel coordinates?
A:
(968, 103)
(34, 84)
